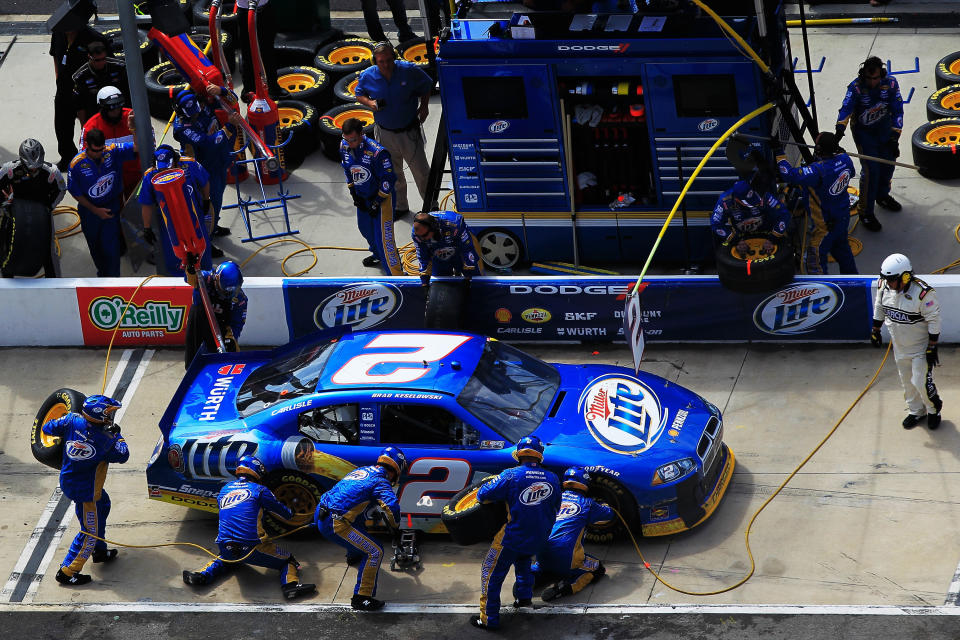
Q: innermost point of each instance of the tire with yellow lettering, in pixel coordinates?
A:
(345, 56)
(298, 492)
(306, 84)
(298, 121)
(935, 148)
(48, 449)
(756, 272)
(469, 521)
(344, 90)
(616, 496)
(944, 103)
(331, 126)
(948, 70)
(163, 81)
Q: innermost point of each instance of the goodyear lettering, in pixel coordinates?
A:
(106, 312)
(215, 396)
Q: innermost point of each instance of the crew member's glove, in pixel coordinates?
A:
(839, 131)
(357, 200)
(230, 342)
(767, 247)
(933, 356)
(743, 248)
(893, 146)
(875, 338)
(373, 205)
(113, 429)
(425, 280)
(149, 236)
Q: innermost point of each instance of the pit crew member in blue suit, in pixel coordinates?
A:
(370, 179)
(740, 210)
(91, 442)
(445, 246)
(196, 190)
(240, 533)
(564, 554)
(229, 303)
(829, 203)
(95, 180)
(873, 108)
(340, 518)
(533, 497)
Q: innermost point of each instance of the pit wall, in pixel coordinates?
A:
(81, 312)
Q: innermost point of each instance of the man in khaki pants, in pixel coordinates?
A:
(399, 94)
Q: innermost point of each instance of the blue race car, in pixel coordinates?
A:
(315, 409)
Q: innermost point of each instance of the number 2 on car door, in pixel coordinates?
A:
(458, 475)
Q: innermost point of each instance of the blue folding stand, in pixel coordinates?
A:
(250, 206)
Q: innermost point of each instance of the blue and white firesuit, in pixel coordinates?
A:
(87, 452)
(564, 554)
(102, 184)
(369, 170)
(230, 311)
(533, 497)
(242, 503)
(211, 144)
(453, 251)
(343, 524)
(195, 179)
(876, 120)
(829, 204)
(754, 213)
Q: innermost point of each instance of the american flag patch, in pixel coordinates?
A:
(929, 304)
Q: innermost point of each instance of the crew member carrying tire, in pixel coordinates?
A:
(740, 210)
(445, 246)
(229, 304)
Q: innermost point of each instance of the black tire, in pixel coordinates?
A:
(287, 485)
(148, 50)
(446, 302)
(306, 84)
(344, 88)
(344, 56)
(228, 16)
(500, 249)
(163, 81)
(200, 35)
(47, 449)
(757, 274)
(193, 336)
(297, 50)
(415, 51)
(25, 238)
(948, 70)
(331, 125)
(934, 148)
(944, 103)
(615, 495)
(299, 120)
(469, 521)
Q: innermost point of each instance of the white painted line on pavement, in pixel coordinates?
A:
(18, 569)
(953, 592)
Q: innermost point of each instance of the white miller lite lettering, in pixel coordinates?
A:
(622, 414)
(798, 308)
(361, 306)
(213, 459)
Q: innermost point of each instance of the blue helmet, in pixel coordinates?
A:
(529, 447)
(187, 104)
(165, 156)
(576, 478)
(99, 409)
(393, 458)
(741, 189)
(250, 467)
(227, 277)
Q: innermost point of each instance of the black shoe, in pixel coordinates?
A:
(933, 421)
(353, 560)
(366, 603)
(475, 621)
(194, 578)
(526, 602)
(937, 403)
(406, 35)
(296, 589)
(216, 252)
(888, 203)
(104, 555)
(371, 261)
(911, 421)
(220, 231)
(75, 580)
(871, 223)
(399, 213)
(555, 591)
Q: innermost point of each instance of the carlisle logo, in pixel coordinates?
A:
(536, 493)
(503, 315)
(622, 414)
(568, 509)
(536, 316)
(102, 186)
(234, 498)
(361, 306)
(798, 308)
(708, 125)
(77, 450)
(499, 126)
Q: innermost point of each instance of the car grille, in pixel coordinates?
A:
(692, 491)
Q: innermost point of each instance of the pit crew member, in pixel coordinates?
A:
(229, 304)
(340, 513)
(740, 211)
(909, 308)
(240, 534)
(116, 122)
(445, 246)
(533, 497)
(91, 441)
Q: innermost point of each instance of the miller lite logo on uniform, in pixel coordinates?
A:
(358, 174)
(798, 308)
(234, 498)
(840, 184)
(499, 126)
(622, 414)
(568, 509)
(536, 493)
(361, 306)
(358, 474)
(102, 186)
(77, 450)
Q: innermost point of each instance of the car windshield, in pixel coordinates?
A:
(287, 377)
(509, 391)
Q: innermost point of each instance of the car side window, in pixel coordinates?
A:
(424, 424)
(335, 424)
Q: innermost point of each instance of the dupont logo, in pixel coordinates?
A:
(536, 315)
(615, 48)
(361, 306)
(798, 308)
(708, 125)
(499, 126)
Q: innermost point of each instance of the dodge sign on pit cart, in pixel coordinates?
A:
(156, 316)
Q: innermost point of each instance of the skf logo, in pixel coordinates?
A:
(622, 414)
(568, 509)
(77, 450)
(578, 315)
(536, 316)
(503, 315)
(234, 498)
(615, 48)
(499, 126)
(231, 370)
(536, 493)
(708, 125)
(798, 308)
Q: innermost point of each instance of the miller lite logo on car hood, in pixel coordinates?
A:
(622, 414)
(361, 306)
(798, 308)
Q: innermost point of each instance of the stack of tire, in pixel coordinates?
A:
(148, 51)
(163, 81)
(343, 61)
(936, 144)
(415, 51)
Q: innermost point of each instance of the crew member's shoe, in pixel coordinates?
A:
(526, 602)
(475, 621)
(871, 223)
(194, 578)
(911, 421)
(937, 403)
(399, 213)
(555, 591)
(353, 560)
(220, 231)
(293, 590)
(933, 421)
(104, 555)
(888, 203)
(366, 603)
(406, 35)
(371, 261)
(215, 251)
(75, 580)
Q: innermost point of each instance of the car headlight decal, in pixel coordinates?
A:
(673, 471)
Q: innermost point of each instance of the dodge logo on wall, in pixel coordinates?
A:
(798, 308)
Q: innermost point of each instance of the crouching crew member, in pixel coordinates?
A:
(909, 308)
(445, 246)
(564, 555)
(741, 211)
(339, 517)
(240, 532)
(229, 304)
(91, 442)
(533, 497)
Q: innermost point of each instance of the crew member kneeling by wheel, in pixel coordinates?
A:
(229, 304)
(241, 504)
(741, 210)
(339, 517)
(445, 246)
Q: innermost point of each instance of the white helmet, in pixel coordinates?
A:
(110, 97)
(894, 265)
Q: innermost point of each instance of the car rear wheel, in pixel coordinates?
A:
(469, 521)
(499, 249)
(298, 492)
(616, 496)
(49, 449)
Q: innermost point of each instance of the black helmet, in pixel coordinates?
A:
(826, 145)
(31, 153)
